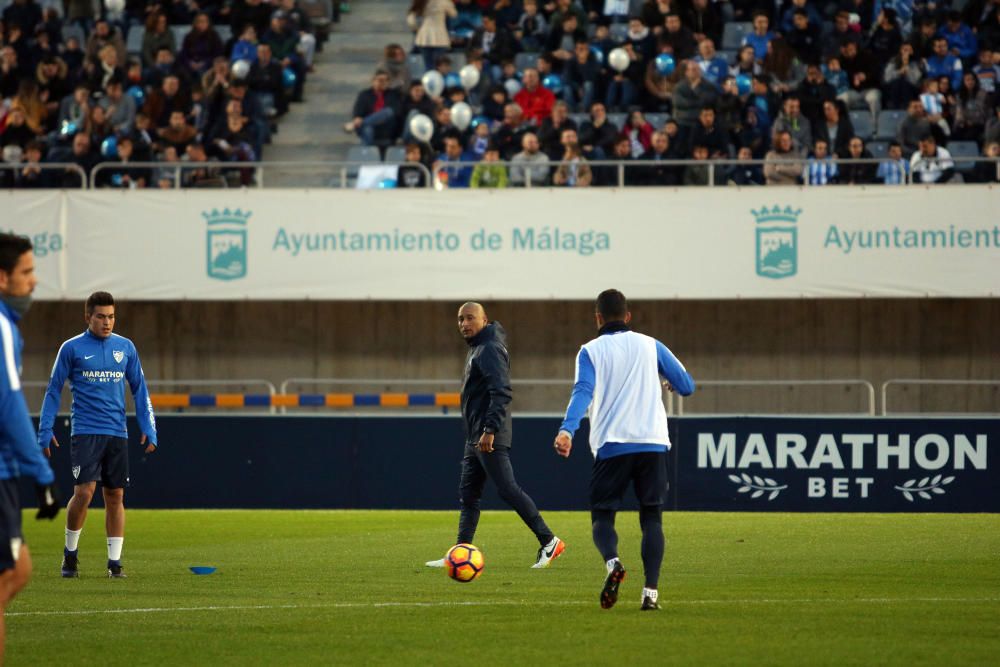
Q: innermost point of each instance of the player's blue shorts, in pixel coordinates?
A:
(99, 458)
(10, 524)
(610, 477)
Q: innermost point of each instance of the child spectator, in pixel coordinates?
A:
(489, 173)
(820, 169)
(697, 173)
(760, 37)
(532, 28)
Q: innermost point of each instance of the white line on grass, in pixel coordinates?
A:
(486, 603)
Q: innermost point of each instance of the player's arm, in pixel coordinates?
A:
(673, 370)
(53, 395)
(143, 403)
(579, 401)
(494, 364)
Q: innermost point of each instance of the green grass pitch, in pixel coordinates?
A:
(349, 587)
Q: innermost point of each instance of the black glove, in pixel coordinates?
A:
(48, 501)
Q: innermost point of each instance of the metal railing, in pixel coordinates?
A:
(180, 384)
(61, 167)
(902, 382)
(865, 386)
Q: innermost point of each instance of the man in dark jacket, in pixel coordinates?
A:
(375, 111)
(486, 397)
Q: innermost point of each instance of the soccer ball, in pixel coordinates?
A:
(464, 562)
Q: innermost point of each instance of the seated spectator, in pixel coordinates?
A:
(168, 98)
(256, 13)
(987, 71)
(782, 65)
(215, 83)
(598, 132)
(843, 31)
(704, 18)
(98, 126)
(31, 103)
(863, 79)
(535, 100)
(74, 58)
(697, 171)
(104, 34)
(854, 173)
(108, 66)
(178, 133)
(16, 131)
(158, 36)
(913, 127)
(680, 39)
(658, 90)
(396, 68)
(654, 14)
(820, 168)
(235, 144)
(443, 127)
(714, 67)
(300, 24)
(960, 37)
(746, 63)
(51, 77)
(970, 110)
(813, 92)
(532, 28)
(245, 47)
(489, 173)
(787, 24)
(580, 77)
(479, 140)
(574, 172)
(201, 46)
(266, 80)
(84, 156)
(935, 105)
(708, 134)
(752, 135)
(835, 127)
(450, 167)
(639, 132)
(531, 165)
(165, 65)
(988, 171)
(804, 37)
(760, 36)
(792, 121)
(836, 75)
(552, 127)
(931, 163)
(375, 112)
(200, 176)
(729, 109)
(284, 46)
(11, 71)
(692, 95)
(621, 151)
(902, 77)
(886, 37)
(894, 169)
(642, 41)
(416, 102)
(31, 174)
(623, 87)
(509, 135)
(659, 150)
(119, 107)
(943, 63)
(123, 174)
(782, 164)
(992, 132)
(411, 174)
(496, 43)
(166, 176)
(744, 172)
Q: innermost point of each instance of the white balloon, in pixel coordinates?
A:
(433, 82)
(513, 87)
(240, 69)
(470, 76)
(422, 127)
(618, 59)
(461, 115)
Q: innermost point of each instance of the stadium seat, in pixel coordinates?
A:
(618, 32)
(415, 61)
(458, 60)
(964, 149)
(729, 55)
(657, 119)
(74, 31)
(579, 118)
(888, 123)
(366, 154)
(862, 122)
(878, 149)
(525, 60)
(180, 32)
(395, 154)
(320, 13)
(225, 32)
(617, 119)
(133, 43)
(733, 34)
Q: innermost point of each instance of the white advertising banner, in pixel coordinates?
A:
(694, 243)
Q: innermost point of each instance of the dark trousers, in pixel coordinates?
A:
(477, 466)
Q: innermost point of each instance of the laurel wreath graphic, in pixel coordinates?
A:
(924, 488)
(759, 486)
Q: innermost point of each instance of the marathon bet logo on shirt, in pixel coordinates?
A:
(777, 241)
(226, 243)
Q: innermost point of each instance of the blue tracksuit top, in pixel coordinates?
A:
(96, 368)
(18, 452)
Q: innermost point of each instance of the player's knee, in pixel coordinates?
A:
(114, 497)
(650, 517)
(469, 500)
(83, 493)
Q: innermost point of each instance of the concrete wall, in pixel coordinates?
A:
(778, 339)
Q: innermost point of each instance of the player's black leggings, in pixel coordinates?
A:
(476, 467)
(651, 522)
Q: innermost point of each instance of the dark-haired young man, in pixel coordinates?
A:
(98, 363)
(618, 378)
(18, 452)
(486, 397)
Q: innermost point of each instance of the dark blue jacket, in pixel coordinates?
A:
(486, 392)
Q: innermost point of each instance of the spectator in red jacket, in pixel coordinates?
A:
(535, 100)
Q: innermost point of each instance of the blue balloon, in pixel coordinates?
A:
(288, 77)
(743, 82)
(387, 184)
(138, 94)
(452, 80)
(68, 128)
(665, 64)
(597, 53)
(553, 82)
(479, 120)
(109, 147)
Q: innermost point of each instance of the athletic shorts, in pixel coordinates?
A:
(99, 458)
(610, 478)
(10, 524)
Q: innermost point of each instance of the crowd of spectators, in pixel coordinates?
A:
(133, 81)
(795, 89)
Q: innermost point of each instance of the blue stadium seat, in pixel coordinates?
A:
(74, 31)
(618, 32)
(878, 149)
(729, 55)
(366, 154)
(733, 34)
(657, 119)
(888, 123)
(416, 64)
(180, 32)
(617, 119)
(964, 149)
(225, 32)
(458, 60)
(395, 154)
(525, 60)
(579, 118)
(133, 43)
(862, 122)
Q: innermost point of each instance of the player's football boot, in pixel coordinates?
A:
(435, 563)
(115, 570)
(70, 565)
(649, 604)
(609, 594)
(549, 553)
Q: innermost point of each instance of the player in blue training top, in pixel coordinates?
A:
(618, 378)
(97, 364)
(18, 452)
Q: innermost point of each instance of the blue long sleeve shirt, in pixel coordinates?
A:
(97, 369)
(583, 394)
(18, 452)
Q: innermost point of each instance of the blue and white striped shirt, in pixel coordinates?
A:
(933, 103)
(819, 171)
(893, 172)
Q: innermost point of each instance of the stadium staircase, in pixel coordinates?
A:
(313, 130)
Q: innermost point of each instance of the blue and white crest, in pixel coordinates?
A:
(226, 242)
(777, 241)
